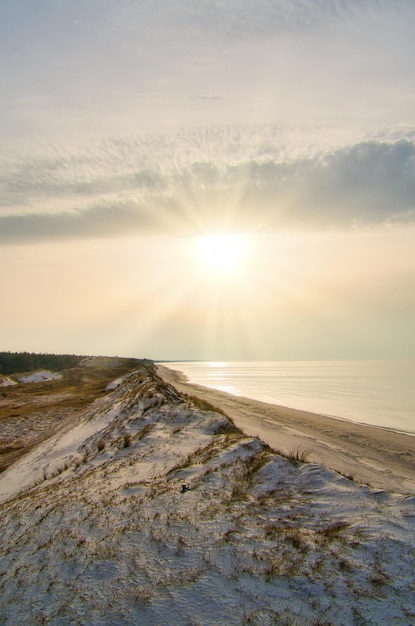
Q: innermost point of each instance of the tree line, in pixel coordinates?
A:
(14, 362)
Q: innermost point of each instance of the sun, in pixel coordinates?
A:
(221, 254)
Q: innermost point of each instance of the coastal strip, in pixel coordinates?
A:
(376, 456)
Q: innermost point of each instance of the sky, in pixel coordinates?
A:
(216, 180)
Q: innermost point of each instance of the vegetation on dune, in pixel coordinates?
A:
(29, 413)
(202, 404)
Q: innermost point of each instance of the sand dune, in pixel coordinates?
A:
(379, 457)
(97, 529)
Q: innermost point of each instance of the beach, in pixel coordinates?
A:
(381, 458)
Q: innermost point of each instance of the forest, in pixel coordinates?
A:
(14, 362)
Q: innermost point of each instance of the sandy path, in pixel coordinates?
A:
(376, 456)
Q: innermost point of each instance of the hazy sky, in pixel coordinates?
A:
(131, 129)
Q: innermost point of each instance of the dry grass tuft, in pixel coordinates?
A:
(202, 404)
(298, 455)
(333, 531)
(126, 440)
(144, 431)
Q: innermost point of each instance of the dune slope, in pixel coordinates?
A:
(101, 530)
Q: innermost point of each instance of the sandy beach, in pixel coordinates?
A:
(379, 457)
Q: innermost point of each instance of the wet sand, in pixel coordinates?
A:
(372, 455)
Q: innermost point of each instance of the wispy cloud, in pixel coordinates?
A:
(101, 69)
(120, 189)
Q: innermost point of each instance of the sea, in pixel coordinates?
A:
(378, 393)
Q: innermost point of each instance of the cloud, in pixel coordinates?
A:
(159, 186)
(102, 221)
(98, 69)
(374, 180)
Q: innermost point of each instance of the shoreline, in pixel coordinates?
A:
(184, 379)
(377, 456)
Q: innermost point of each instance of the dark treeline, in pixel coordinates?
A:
(13, 362)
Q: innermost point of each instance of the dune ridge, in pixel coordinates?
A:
(154, 508)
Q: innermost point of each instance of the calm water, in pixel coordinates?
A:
(380, 393)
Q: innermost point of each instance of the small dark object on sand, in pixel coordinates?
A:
(184, 488)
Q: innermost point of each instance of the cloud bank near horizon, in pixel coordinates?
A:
(120, 189)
